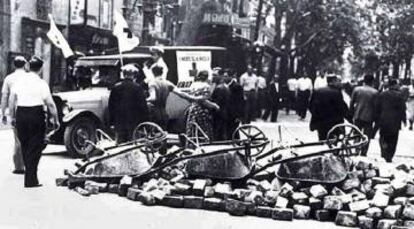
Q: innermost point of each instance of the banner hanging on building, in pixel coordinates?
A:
(189, 63)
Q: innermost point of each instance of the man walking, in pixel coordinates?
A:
(273, 96)
(304, 92)
(19, 63)
(362, 107)
(389, 114)
(327, 107)
(27, 101)
(249, 82)
(292, 85)
(127, 105)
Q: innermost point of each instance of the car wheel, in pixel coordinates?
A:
(77, 134)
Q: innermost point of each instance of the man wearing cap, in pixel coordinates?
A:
(27, 101)
(127, 105)
(157, 60)
(19, 63)
(327, 107)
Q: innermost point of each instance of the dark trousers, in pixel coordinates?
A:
(368, 129)
(31, 129)
(291, 101)
(323, 131)
(250, 106)
(303, 103)
(272, 109)
(220, 128)
(124, 134)
(261, 102)
(388, 143)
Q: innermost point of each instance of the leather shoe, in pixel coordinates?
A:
(33, 186)
(18, 171)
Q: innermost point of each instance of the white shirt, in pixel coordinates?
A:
(248, 82)
(148, 71)
(320, 82)
(31, 91)
(261, 82)
(10, 80)
(292, 84)
(304, 84)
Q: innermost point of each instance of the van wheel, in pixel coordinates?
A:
(77, 133)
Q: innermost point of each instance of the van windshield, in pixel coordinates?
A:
(101, 76)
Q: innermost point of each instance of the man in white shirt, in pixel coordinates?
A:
(157, 60)
(292, 85)
(304, 92)
(27, 100)
(249, 82)
(19, 63)
(320, 82)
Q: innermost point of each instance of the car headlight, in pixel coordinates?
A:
(66, 109)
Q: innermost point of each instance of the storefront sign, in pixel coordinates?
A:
(218, 19)
(189, 63)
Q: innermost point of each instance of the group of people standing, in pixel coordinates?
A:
(29, 99)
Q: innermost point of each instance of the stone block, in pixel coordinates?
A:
(181, 189)
(299, 198)
(214, 204)
(400, 227)
(370, 173)
(173, 201)
(251, 181)
(281, 202)
(386, 170)
(323, 215)
(345, 218)
(286, 190)
(392, 211)
(92, 189)
(380, 180)
(208, 191)
(408, 212)
(158, 194)
(252, 187)
(82, 191)
(365, 222)
(400, 200)
(399, 186)
(357, 195)
(199, 187)
(337, 192)
(315, 204)
(264, 212)
(318, 191)
(411, 200)
(332, 203)
(194, 202)
(61, 182)
(255, 197)
(346, 199)
(146, 198)
(250, 208)
(113, 188)
(284, 214)
(103, 187)
(150, 185)
(235, 207)
(133, 193)
(386, 223)
(350, 184)
(264, 186)
(362, 163)
(359, 206)
(409, 189)
(385, 188)
(366, 186)
(374, 212)
(223, 190)
(380, 199)
(409, 223)
(270, 197)
(301, 211)
(276, 184)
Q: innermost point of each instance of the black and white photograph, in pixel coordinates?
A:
(185, 114)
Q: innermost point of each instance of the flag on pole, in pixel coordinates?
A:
(126, 40)
(56, 37)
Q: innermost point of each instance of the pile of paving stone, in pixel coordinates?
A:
(374, 195)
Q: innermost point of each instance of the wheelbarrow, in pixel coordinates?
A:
(237, 159)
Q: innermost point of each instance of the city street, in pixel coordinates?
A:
(56, 207)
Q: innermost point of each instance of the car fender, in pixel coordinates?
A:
(77, 113)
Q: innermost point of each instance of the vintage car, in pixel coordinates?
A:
(84, 111)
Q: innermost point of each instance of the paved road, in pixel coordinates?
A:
(53, 207)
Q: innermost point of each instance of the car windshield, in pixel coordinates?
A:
(100, 76)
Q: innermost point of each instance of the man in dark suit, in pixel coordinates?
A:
(127, 105)
(273, 97)
(221, 96)
(389, 114)
(327, 107)
(236, 106)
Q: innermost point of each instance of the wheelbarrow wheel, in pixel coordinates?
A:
(251, 136)
(151, 136)
(343, 136)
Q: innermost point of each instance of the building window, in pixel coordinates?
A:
(43, 9)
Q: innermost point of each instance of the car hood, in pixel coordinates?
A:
(90, 94)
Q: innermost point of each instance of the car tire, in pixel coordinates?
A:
(76, 132)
